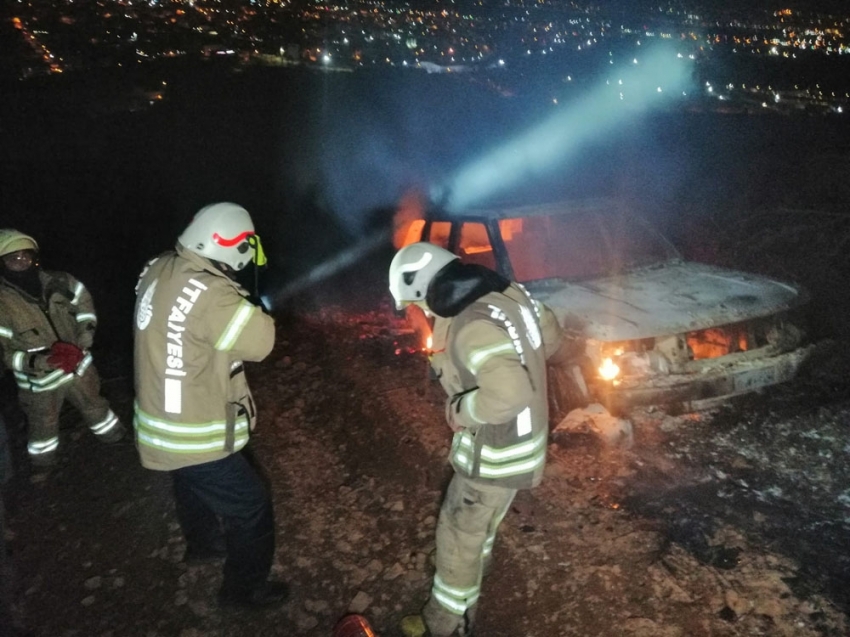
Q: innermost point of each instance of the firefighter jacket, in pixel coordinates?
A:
(194, 327)
(493, 368)
(30, 325)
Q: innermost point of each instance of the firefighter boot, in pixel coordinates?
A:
(269, 593)
(43, 463)
(113, 434)
(414, 626)
(440, 622)
(198, 556)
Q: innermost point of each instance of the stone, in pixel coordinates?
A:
(596, 419)
(360, 602)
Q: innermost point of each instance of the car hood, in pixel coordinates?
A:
(668, 299)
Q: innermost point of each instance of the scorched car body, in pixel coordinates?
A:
(655, 329)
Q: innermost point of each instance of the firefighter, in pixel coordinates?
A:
(194, 327)
(490, 345)
(47, 326)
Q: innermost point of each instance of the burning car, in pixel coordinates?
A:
(656, 329)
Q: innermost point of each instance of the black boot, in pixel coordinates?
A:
(266, 594)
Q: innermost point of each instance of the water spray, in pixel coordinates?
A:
(328, 268)
(613, 103)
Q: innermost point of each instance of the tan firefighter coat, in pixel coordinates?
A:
(194, 327)
(493, 368)
(29, 326)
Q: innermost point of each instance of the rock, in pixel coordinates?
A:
(670, 423)
(360, 602)
(305, 623)
(736, 603)
(770, 607)
(93, 583)
(199, 608)
(317, 607)
(358, 576)
(615, 432)
(394, 571)
(413, 576)
(343, 547)
(420, 560)
(88, 601)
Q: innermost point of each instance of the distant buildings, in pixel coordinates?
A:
(60, 36)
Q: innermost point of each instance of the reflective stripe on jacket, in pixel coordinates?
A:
(494, 370)
(30, 326)
(193, 328)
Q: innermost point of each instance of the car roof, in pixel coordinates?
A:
(496, 211)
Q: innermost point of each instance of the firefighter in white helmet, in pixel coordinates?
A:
(195, 326)
(47, 327)
(491, 342)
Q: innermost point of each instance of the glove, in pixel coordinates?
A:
(453, 407)
(261, 302)
(65, 356)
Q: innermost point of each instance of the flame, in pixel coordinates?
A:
(608, 370)
(409, 218)
(716, 342)
(429, 342)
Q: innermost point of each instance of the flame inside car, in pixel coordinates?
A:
(609, 370)
(694, 351)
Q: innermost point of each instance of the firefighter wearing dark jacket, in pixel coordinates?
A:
(491, 342)
(194, 328)
(47, 326)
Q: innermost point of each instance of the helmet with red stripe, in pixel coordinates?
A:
(222, 232)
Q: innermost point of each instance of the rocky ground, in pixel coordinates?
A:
(726, 523)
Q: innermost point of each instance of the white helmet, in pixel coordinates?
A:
(222, 232)
(13, 241)
(412, 269)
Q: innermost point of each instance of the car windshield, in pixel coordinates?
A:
(581, 245)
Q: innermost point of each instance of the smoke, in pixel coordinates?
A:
(620, 100)
(398, 150)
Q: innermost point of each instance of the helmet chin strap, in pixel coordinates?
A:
(222, 267)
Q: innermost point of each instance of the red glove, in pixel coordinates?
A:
(65, 356)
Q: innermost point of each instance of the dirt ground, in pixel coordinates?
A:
(725, 523)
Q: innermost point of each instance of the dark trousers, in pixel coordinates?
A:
(6, 571)
(228, 495)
